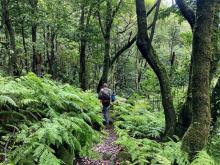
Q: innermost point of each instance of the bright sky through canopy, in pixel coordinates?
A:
(168, 2)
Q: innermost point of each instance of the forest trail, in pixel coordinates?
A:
(107, 149)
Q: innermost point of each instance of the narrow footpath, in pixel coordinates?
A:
(107, 149)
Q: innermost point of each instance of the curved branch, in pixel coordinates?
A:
(100, 23)
(125, 47)
(152, 8)
(116, 9)
(187, 12)
(155, 20)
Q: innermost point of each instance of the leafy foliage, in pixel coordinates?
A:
(138, 121)
(203, 158)
(214, 143)
(45, 116)
(139, 128)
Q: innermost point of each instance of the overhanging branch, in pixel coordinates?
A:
(187, 12)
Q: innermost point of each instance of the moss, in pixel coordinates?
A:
(195, 139)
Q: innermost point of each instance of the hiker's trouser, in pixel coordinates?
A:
(105, 112)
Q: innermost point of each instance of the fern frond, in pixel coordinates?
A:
(203, 158)
(6, 100)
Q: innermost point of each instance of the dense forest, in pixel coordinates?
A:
(160, 58)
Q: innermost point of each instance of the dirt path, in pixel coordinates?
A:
(107, 149)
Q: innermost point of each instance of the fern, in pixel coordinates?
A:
(202, 158)
(140, 122)
(38, 139)
(214, 143)
(135, 125)
(6, 100)
(47, 115)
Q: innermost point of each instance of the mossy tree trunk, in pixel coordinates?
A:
(196, 136)
(147, 51)
(185, 115)
(215, 97)
(215, 42)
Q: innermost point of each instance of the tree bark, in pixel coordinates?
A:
(24, 46)
(52, 53)
(47, 46)
(187, 12)
(215, 104)
(82, 72)
(196, 136)
(36, 63)
(37, 59)
(108, 26)
(13, 68)
(215, 42)
(147, 51)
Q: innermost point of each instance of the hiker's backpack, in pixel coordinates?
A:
(113, 97)
(105, 94)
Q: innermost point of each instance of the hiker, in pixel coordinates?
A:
(105, 95)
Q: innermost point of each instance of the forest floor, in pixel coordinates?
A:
(108, 150)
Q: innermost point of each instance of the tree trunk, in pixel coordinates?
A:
(215, 104)
(37, 59)
(146, 49)
(187, 12)
(82, 72)
(196, 136)
(185, 115)
(52, 53)
(106, 61)
(13, 68)
(47, 41)
(107, 36)
(215, 42)
(24, 46)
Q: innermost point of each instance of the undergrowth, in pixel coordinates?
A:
(139, 129)
(40, 117)
(43, 122)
